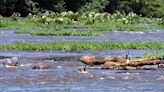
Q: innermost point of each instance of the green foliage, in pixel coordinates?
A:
(94, 6)
(91, 20)
(8, 7)
(51, 5)
(75, 5)
(148, 8)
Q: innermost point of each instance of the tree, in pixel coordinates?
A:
(94, 6)
(75, 5)
(53, 5)
(8, 7)
(149, 8)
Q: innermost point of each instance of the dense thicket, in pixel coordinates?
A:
(149, 8)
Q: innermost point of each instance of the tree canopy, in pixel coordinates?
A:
(148, 8)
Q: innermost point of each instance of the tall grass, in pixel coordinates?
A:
(52, 46)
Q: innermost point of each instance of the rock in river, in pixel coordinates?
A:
(40, 66)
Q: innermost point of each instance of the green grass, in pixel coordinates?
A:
(53, 46)
(63, 33)
(155, 55)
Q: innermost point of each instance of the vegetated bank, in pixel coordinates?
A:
(49, 23)
(76, 46)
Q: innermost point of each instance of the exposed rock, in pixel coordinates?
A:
(92, 60)
(130, 68)
(161, 65)
(40, 66)
(144, 61)
(82, 70)
(120, 63)
(119, 59)
(110, 65)
(149, 67)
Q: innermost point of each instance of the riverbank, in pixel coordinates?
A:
(50, 23)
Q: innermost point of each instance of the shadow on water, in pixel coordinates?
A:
(63, 75)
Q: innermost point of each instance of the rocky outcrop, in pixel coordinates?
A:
(120, 63)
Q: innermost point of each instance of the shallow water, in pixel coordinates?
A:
(62, 55)
(8, 36)
(63, 75)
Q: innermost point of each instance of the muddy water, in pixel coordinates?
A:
(8, 36)
(63, 75)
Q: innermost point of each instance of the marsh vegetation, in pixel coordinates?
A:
(75, 46)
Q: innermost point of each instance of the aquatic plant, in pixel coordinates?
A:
(63, 33)
(51, 46)
(155, 55)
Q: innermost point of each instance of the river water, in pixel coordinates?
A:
(8, 36)
(62, 76)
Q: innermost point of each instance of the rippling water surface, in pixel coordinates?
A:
(63, 75)
(8, 36)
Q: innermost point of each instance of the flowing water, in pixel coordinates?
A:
(62, 76)
(8, 36)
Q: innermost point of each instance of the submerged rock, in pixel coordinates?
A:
(40, 66)
(10, 62)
